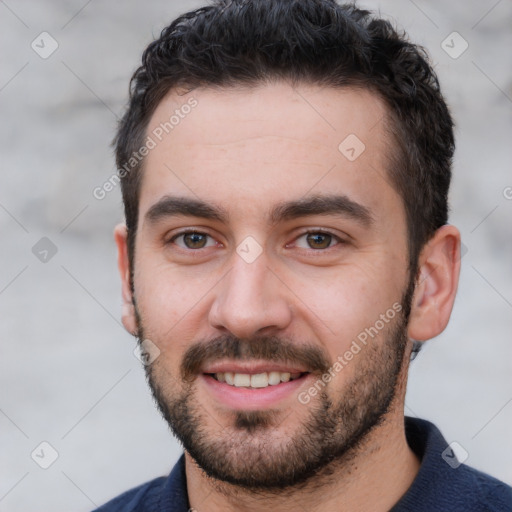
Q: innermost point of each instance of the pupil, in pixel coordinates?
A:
(319, 241)
(195, 240)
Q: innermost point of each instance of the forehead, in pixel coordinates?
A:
(247, 148)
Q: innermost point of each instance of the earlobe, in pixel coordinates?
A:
(123, 264)
(436, 287)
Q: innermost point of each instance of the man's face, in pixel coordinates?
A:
(264, 250)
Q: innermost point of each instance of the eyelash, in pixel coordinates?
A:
(173, 239)
(336, 238)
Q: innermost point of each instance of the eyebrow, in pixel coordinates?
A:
(170, 206)
(323, 205)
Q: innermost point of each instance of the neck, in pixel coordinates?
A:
(371, 479)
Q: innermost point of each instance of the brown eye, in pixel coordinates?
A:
(195, 240)
(318, 240)
(192, 240)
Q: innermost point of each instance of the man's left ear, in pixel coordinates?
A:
(436, 287)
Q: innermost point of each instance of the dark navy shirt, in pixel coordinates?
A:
(442, 484)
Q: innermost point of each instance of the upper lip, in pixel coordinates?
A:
(251, 367)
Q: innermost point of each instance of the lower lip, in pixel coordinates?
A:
(251, 399)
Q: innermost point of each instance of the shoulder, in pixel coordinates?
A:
(443, 482)
(492, 494)
(163, 493)
(139, 499)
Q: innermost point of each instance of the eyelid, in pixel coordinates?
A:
(340, 239)
(323, 231)
(185, 231)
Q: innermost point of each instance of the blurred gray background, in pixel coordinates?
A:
(68, 375)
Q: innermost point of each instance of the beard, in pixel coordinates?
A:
(252, 452)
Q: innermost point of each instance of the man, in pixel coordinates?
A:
(285, 167)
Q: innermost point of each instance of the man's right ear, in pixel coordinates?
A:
(123, 264)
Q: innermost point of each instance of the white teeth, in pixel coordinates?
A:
(274, 378)
(257, 380)
(242, 380)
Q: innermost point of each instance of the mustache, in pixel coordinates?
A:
(268, 348)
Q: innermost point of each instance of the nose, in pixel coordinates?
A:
(251, 300)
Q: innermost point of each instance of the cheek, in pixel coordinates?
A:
(157, 299)
(173, 306)
(346, 301)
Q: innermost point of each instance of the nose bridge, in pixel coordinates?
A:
(250, 299)
(248, 282)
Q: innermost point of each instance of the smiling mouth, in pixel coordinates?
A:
(255, 380)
